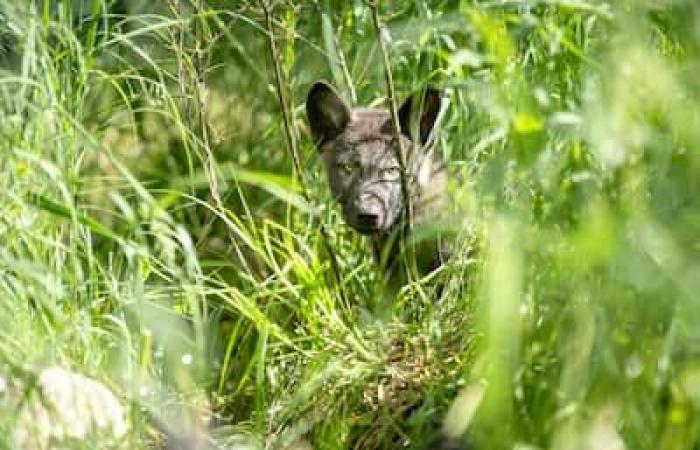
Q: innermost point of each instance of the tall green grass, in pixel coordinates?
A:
(155, 234)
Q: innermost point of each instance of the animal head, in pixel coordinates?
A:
(359, 151)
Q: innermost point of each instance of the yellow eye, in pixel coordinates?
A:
(347, 167)
(390, 173)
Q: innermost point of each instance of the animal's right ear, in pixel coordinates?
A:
(327, 113)
(428, 106)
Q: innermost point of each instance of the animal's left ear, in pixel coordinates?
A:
(428, 106)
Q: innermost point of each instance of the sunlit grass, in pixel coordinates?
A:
(154, 235)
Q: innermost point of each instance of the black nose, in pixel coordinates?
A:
(367, 220)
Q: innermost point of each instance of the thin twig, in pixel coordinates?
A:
(290, 134)
(407, 236)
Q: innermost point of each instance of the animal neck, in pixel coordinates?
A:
(388, 252)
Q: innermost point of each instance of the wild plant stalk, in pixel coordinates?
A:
(192, 82)
(290, 135)
(192, 73)
(202, 40)
(407, 237)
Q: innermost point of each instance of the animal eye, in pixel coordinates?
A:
(347, 167)
(390, 173)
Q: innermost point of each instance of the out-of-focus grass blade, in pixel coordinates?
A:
(331, 50)
(280, 186)
(44, 203)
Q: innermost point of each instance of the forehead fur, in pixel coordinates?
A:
(367, 123)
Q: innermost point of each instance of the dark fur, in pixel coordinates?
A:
(359, 153)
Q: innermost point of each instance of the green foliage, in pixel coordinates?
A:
(155, 234)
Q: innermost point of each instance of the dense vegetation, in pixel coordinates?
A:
(156, 234)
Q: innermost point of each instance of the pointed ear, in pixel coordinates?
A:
(327, 113)
(428, 106)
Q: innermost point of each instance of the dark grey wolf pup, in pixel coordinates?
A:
(359, 151)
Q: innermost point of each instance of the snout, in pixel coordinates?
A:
(369, 214)
(369, 220)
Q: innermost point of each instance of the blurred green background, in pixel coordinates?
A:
(155, 235)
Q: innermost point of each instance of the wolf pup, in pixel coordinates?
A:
(359, 152)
